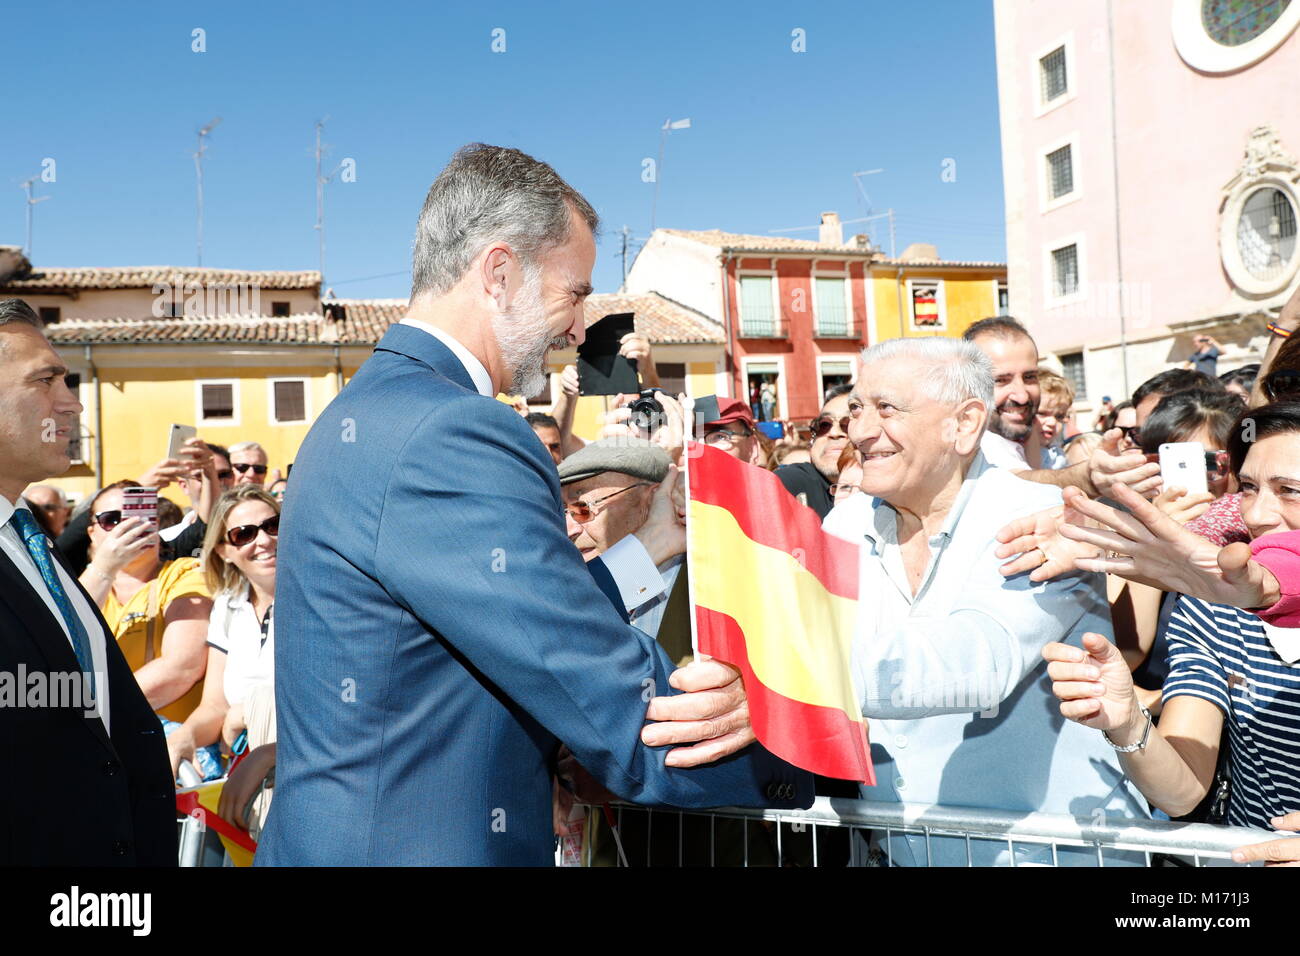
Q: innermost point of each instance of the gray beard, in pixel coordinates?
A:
(523, 340)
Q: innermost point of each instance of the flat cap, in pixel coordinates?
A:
(627, 456)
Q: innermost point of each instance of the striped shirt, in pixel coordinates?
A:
(1222, 654)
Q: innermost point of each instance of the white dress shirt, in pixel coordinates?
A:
(478, 373)
(650, 615)
(14, 548)
(1003, 452)
(628, 562)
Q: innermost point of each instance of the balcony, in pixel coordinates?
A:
(764, 328)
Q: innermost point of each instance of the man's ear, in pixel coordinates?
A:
(969, 418)
(495, 266)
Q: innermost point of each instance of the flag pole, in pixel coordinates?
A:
(690, 564)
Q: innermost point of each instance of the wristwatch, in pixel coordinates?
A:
(1141, 744)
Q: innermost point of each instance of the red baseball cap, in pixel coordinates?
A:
(732, 410)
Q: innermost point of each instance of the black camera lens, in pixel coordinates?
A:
(647, 412)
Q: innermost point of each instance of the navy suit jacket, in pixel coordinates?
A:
(71, 794)
(437, 636)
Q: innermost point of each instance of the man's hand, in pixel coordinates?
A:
(664, 533)
(1040, 547)
(1284, 851)
(670, 433)
(569, 380)
(713, 711)
(1151, 548)
(636, 347)
(243, 784)
(1108, 467)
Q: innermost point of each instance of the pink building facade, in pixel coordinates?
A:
(1152, 190)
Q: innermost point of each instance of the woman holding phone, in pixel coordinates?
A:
(157, 610)
(239, 555)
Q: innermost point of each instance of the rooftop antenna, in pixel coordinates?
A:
(198, 170)
(27, 186)
(321, 180)
(669, 124)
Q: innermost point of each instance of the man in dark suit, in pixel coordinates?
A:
(82, 756)
(437, 635)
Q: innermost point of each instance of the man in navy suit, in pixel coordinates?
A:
(84, 767)
(437, 636)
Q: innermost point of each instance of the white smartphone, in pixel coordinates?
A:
(1182, 465)
(179, 436)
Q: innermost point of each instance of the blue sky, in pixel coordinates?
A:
(114, 94)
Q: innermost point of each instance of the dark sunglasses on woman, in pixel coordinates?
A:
(1282, 384)
(247, 533)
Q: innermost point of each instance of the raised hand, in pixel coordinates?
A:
(1038, 546)
(1094, 684)
(1151, 548)
(1108, 468)
(712, 714)
(663, 535)
(1182, 506)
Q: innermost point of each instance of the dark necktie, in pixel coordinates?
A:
(35, 541)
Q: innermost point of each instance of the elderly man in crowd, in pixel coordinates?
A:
(1014, 358)
(947, 651)
(810, 481)
(248, 459)
(608, 487)
(53, 504)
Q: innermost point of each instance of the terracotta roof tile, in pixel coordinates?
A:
(360, 322)
(775, 245)
(144, 277)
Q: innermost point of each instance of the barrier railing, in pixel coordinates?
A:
(903, 834)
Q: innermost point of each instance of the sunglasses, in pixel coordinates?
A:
(821, 427)
(244, 466)
(225, 475)
(246, 534)
(1282, 382)
(725, 436)
(580, 511)
(108, 520)
(1132, 432)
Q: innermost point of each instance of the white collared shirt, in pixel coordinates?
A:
(12, 545)
(477, 372)
(233, 627)
(1003, 452)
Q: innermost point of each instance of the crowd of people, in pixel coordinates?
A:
(1044, 623)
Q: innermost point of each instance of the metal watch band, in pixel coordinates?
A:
(1141, 744)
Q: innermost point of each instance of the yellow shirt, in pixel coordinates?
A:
(130, 624)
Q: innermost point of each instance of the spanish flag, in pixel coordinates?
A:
(777, 597)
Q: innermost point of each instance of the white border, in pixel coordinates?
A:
(997, 283)
(1230, 252)
(1071, 78)
(782, 395)
(306, 400)
(942, 296)
(1201, 52)
(198, 402)
(1050, 297)
(1045, 202)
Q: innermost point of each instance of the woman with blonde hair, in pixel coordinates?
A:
(239, 562)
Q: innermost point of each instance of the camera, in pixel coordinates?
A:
(647, 412)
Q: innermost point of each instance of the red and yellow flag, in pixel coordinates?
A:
(777, 597)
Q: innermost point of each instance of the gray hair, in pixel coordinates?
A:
(246, 446)
(489, 193)
(958, 370)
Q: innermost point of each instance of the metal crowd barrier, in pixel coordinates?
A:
(1091, 840)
